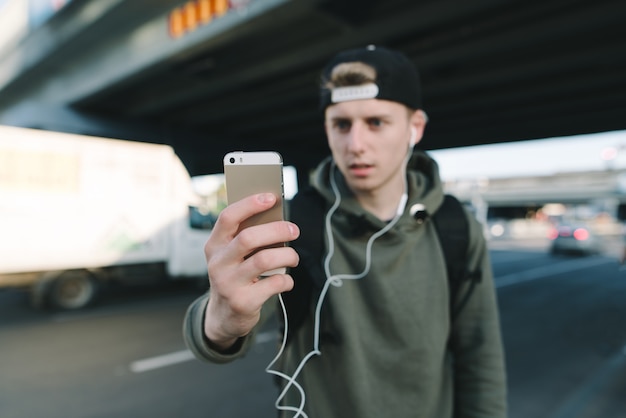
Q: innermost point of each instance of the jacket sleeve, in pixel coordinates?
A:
(193, 334)
(476, 342)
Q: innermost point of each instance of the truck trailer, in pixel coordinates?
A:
(77, 211)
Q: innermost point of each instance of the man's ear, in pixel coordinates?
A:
(418, 123)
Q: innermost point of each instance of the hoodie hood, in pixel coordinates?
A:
(424, 187)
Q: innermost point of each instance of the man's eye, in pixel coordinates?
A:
(375, 122)
(343, 125)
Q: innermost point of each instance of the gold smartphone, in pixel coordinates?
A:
(248, 173)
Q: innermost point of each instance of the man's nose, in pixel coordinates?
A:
(357, 136)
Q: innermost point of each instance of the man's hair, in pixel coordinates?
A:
(350, 74)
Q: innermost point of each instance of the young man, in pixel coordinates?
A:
(379, 339)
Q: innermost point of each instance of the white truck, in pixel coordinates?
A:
(77, 210)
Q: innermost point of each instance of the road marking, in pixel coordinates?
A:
(182, 356)
(265, 337)
(157, 362)
(550, 270)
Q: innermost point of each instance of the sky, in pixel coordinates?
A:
(534, 157)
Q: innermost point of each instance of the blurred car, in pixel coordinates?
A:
(574, 239)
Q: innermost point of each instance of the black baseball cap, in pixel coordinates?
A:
(397, 78)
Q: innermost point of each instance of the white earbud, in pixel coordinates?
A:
(405, 197)
(413, 139)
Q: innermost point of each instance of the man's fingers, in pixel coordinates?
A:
(265, 235)
(273, 285)
(234, 214)
(253, 251)
(269, 259)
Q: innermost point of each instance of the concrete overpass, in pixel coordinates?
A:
(568, 188)
(597, 196)
(243, 74)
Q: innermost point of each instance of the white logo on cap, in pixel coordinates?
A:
(344, 94)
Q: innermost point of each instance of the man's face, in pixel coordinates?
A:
(369, 140)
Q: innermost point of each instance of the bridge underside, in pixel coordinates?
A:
(492, 71)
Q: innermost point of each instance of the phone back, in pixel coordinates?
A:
(248, 173)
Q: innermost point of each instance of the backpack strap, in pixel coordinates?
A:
(306, 210)
(452, 228)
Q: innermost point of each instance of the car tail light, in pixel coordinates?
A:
(581, 234)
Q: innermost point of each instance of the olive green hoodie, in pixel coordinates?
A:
(386, 345)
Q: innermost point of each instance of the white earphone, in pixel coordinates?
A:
(413, 139)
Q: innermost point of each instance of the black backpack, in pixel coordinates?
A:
(307, 210)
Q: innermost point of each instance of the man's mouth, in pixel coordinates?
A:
(359, 165)
(360, 169)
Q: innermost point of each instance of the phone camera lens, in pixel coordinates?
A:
(232, 160)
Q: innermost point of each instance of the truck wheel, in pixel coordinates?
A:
(73, 290)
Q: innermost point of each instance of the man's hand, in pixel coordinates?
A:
(237, 293)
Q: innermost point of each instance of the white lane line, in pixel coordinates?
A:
(157, 362)
(182, 356)
(266, 337)
(550, 270)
